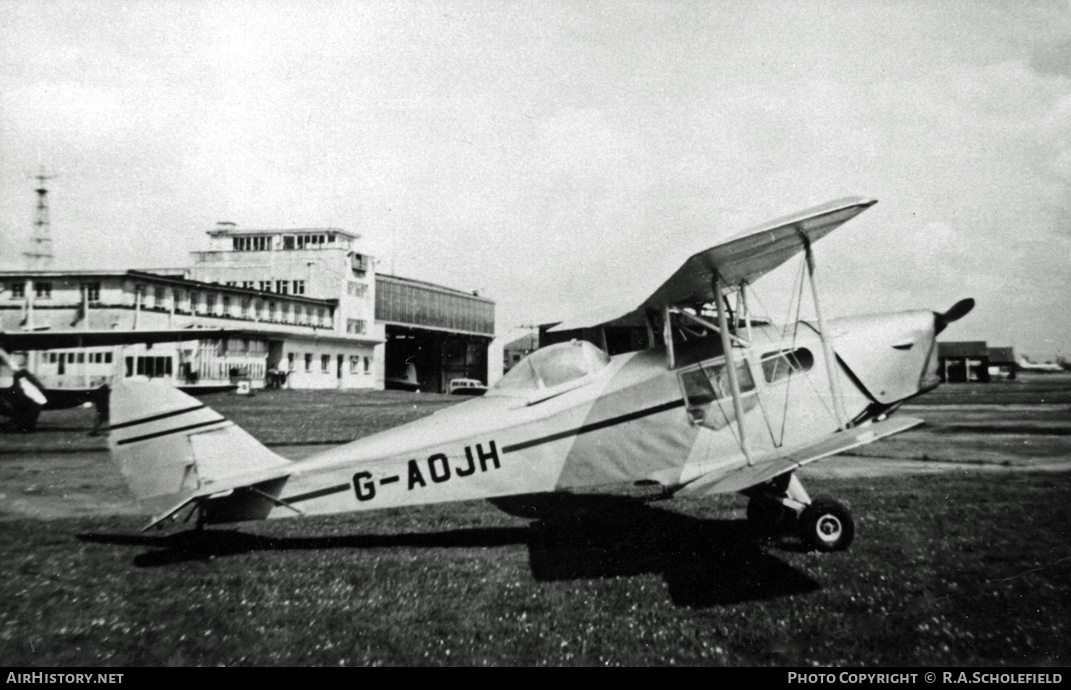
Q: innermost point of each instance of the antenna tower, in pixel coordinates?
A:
(39, 256)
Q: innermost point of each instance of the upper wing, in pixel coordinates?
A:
(741, 476)
(744, 258)
(48, 340)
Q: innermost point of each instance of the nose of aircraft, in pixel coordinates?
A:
(894, 356)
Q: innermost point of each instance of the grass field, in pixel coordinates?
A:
(962, 571)
(954, 569)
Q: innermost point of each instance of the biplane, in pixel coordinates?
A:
(25, 397)
(720, 402)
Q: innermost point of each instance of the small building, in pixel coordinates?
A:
(1002, 363)
(963, 362)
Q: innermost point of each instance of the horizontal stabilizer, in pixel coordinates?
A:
(764, 468)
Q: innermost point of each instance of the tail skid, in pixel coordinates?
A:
(173, 450)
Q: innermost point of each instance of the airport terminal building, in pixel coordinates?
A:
(306, 308)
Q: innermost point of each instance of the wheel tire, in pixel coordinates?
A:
(826, 525)
(767, 518)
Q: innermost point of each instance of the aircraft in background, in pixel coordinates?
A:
(716, 405)
(24, 397)
(1025, 364)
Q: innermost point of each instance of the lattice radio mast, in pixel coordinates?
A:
(39, 256)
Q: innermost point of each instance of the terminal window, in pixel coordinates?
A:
(256, 243)
(92, 291)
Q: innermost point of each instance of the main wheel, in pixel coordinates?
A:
(767, 518)
(826, 525)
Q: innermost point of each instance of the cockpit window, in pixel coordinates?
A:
(552, 366)
(778, 366)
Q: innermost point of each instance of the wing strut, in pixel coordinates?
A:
(730, 367)
(827, 347)
(667, 335)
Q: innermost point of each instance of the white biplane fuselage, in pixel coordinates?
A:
(705, 411)
(603, 420)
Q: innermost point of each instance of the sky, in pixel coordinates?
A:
(559, 155)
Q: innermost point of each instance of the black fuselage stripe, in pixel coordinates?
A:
(167, 432)
(144, 420)
(316, 494)
(613, 421)
(595, 426)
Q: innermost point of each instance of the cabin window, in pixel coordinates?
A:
(708, 393)
(18, 289)
(43, 290)
(779, 366)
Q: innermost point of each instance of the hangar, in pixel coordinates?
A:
(434, 334)
(962, 362)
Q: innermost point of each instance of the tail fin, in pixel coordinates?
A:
(171, 447)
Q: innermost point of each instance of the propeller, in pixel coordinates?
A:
(956, 312)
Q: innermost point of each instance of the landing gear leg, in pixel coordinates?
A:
(772, 508)
(823, 524)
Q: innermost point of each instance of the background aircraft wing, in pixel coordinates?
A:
(741, 476)
(49, 340)
(744, 258)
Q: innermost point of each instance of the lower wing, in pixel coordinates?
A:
(765, 467)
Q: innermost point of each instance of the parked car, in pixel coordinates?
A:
(466, 387)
